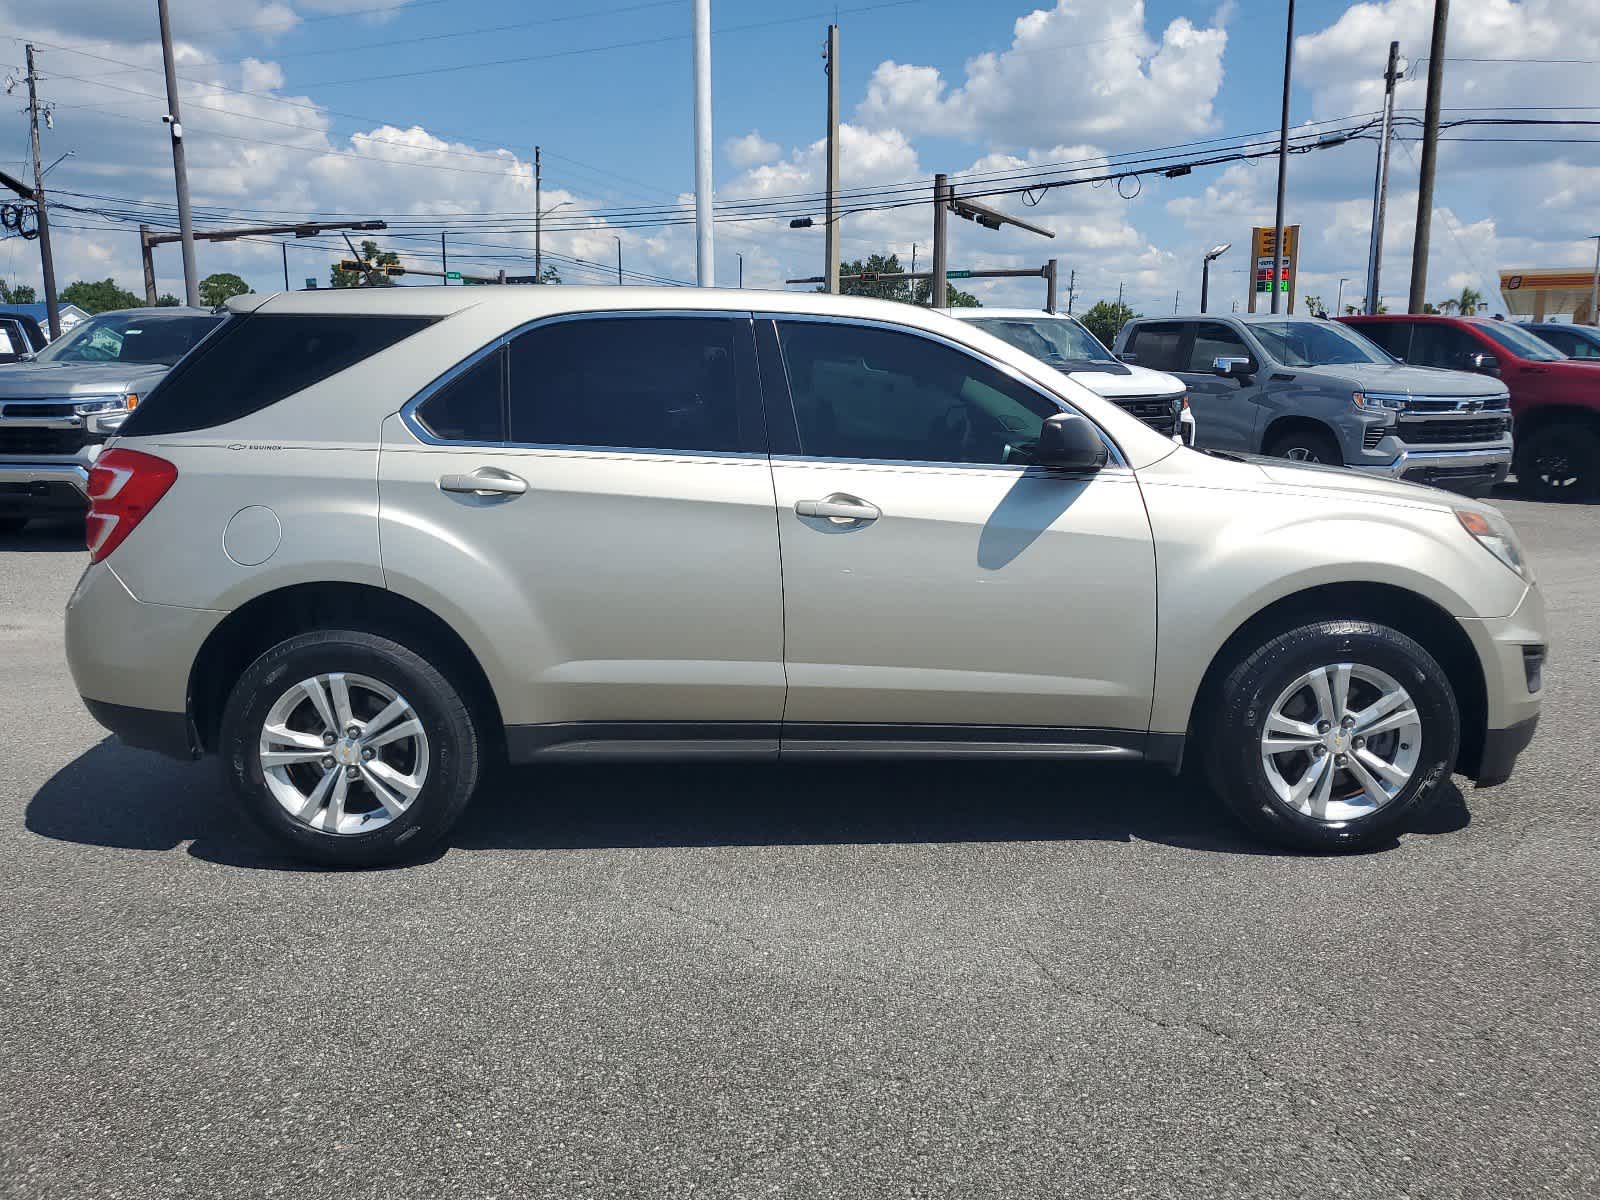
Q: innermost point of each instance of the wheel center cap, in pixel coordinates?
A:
(346, 752)
(1336, 741)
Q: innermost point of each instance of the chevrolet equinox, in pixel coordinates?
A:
(363, 544)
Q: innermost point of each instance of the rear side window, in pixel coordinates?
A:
(258, 359)
(472, 406)
(1158, 346)
(1393, 336)
(648, 383)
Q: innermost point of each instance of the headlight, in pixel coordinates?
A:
(1494, 534)
(1369, 401)
(127, 401)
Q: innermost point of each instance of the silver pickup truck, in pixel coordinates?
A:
(1317, 391)
(57, 407)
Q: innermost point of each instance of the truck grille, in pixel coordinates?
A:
(24, 440)
(1154, 411)
(1432, 433)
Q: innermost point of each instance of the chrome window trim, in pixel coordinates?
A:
(1117, 458)
(408, 411)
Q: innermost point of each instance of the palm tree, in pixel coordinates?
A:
(1447, 306)
(1470, 302)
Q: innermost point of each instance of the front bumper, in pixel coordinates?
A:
(1477, 467)
(1512, 652)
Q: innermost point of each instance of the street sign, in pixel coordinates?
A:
(958, 274)
(452, 274)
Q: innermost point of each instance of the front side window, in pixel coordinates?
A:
(1158, 347)
(869, 393)
(1435, 344)
(1519, 341)
(1212, 341)
(1315, 343)
(647, 383)
(131, 337)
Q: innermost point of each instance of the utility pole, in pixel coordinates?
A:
(444, 259)
(1176, 296)
(47, 261)
(180, 168)
(705, 260)
(831, 54)
(1430, 153)
(1051, 269)
(284, 246)
(1594, 286)
(741, 272)
(1072, 288)
(941, 211)
(148, 262)
(538, 214)
(1119, 293)
(1283, 164)
(1380, 188)
(618, 241)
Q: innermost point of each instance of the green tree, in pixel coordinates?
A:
(17, 293)
(369, 254)
(954, 297)
(877, 289)
(1315, 307)
(1470, 301)
(215, 289)
(98, 296)
(1106, 319)
(1447, 307)
(167, 300)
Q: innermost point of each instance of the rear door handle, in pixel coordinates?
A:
(839, 508)
(485, 481)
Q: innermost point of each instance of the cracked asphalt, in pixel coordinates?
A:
(970, 981)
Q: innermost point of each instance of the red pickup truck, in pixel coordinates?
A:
(1555, 400)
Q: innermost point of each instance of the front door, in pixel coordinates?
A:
(937, 586)
(1227, 412)
(590, 504)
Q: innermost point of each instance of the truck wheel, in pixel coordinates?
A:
(350, 749)
(1306, 445)
(1330, 736)
(1559, 462)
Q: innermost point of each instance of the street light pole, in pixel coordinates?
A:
(705, 260)
(618, 241)
(1338, 305)
(1283, 165)
(1211, 255)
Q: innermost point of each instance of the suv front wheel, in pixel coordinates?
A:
(1331, 736)
(350, 748)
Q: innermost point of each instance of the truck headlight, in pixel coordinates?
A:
(1369, 402)
(1494, 533)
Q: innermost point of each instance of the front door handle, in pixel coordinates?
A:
(485, 481)
(839, 508)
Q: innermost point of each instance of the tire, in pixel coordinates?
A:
(10, 525)
(1560, 462)
(1345, 816)
(1306, 445)
(437, 758)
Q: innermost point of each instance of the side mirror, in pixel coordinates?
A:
(1233, 368)
(1487, 364)
(1068, 442)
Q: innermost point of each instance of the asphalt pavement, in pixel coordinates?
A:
(972, 981)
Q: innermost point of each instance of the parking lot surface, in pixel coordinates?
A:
(981, 980)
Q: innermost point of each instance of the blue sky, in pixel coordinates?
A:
(604, 86)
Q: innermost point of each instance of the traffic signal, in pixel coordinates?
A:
(393, 269)
(350, 264)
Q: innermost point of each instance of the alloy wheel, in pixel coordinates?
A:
(1341, 741)
(343, 754)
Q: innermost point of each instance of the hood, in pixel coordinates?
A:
(1416, 381)
(37, 380)
(1129, 381)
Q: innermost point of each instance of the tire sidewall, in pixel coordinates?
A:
(1579, 446)
(452, 757)
(1256, 685)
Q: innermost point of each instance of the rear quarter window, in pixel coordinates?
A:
(255, 360)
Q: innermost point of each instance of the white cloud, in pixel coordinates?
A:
(750, 149)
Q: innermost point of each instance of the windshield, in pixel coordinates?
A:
(1052, 339)
(1519, 341)
(1316, 343)
(130, 337)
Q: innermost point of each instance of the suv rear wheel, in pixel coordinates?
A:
(1560, 462)
(349, 748)
(1330, 736)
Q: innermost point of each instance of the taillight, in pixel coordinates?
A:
(124, 485)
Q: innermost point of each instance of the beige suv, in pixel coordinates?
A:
(362, 544)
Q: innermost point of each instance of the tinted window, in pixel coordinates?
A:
(1315, 343)
(1435, 344)
(1393, 336)
(861, 392)
(1213, 341)
(1158, 346)
(1561, 340)
(651, 383)
(471, 407)
(1055, 340)
(1519, 341)
(255, 360)
(131, 337)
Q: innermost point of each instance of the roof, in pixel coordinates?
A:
(1247, 317)
(973, 314)
(1421, 317)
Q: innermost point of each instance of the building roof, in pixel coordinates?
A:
(39, 311)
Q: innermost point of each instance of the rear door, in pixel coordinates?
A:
(1227, 412)
(591, 498)
(938, 588)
